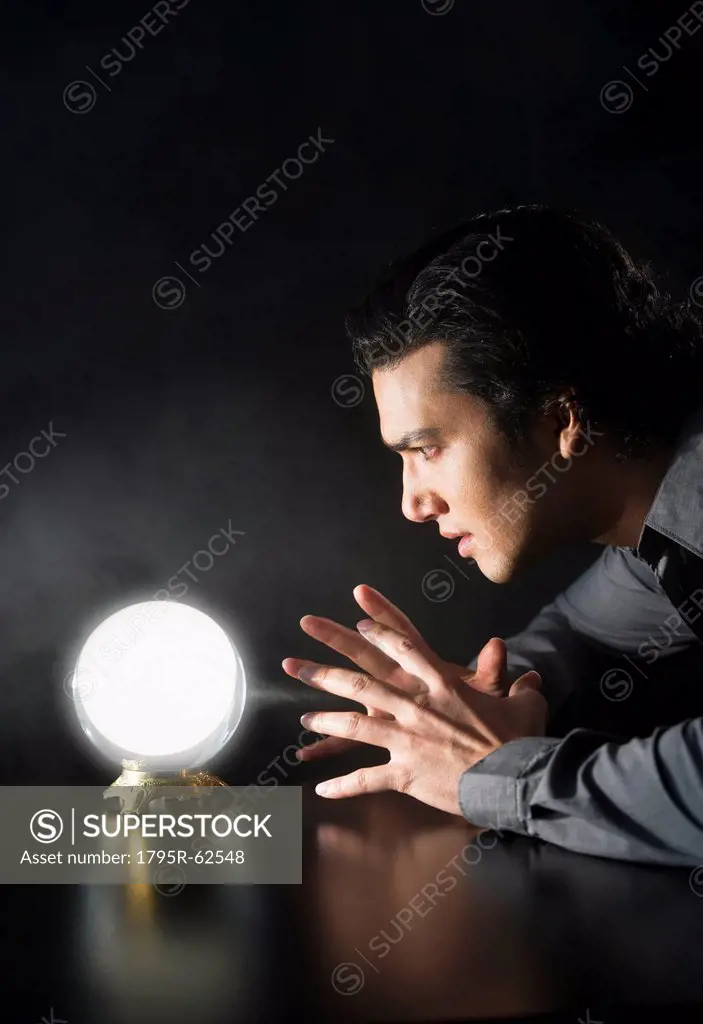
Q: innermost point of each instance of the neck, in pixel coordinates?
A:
(631, 489)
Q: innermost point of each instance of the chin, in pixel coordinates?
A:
(496, 567)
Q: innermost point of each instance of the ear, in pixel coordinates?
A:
(568, 427)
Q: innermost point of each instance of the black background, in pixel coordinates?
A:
(180, 421)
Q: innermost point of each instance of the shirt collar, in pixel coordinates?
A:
(677, 509)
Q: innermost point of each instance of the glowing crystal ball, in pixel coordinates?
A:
(160, 683)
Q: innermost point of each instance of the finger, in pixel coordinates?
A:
(384, 611)
(529, 681)
(331, 745)
(353, 646)
(424, 664)
(346, 682)
(327, 747)
(364, 780)
(352, 725)
(491, 668)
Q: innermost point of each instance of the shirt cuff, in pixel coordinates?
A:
(494, 792)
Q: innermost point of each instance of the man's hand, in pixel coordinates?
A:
(490, 675)
(420, 708)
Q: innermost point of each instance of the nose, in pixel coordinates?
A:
(418, 505)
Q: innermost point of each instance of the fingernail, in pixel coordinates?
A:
(307, 672)
(307, 718)
(365, 626)
(322, 787)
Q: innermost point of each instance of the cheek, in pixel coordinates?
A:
(496, 505)
(482, 482)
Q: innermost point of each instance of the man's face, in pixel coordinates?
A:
(468, 477)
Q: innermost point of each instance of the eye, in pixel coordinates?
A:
(429, 452)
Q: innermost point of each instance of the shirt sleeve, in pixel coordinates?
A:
(615, 607)
(636, 800)
(590, 792)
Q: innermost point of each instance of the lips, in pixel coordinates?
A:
(465, 542)
(465, 545)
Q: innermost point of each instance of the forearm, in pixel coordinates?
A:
(637, 800)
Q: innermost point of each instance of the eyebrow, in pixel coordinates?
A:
(413, 437)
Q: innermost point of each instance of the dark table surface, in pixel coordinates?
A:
(515, 928)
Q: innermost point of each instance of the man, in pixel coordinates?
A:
(540, 389)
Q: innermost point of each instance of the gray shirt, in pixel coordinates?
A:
(640, 799)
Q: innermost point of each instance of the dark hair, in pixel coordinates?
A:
(532, 302)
